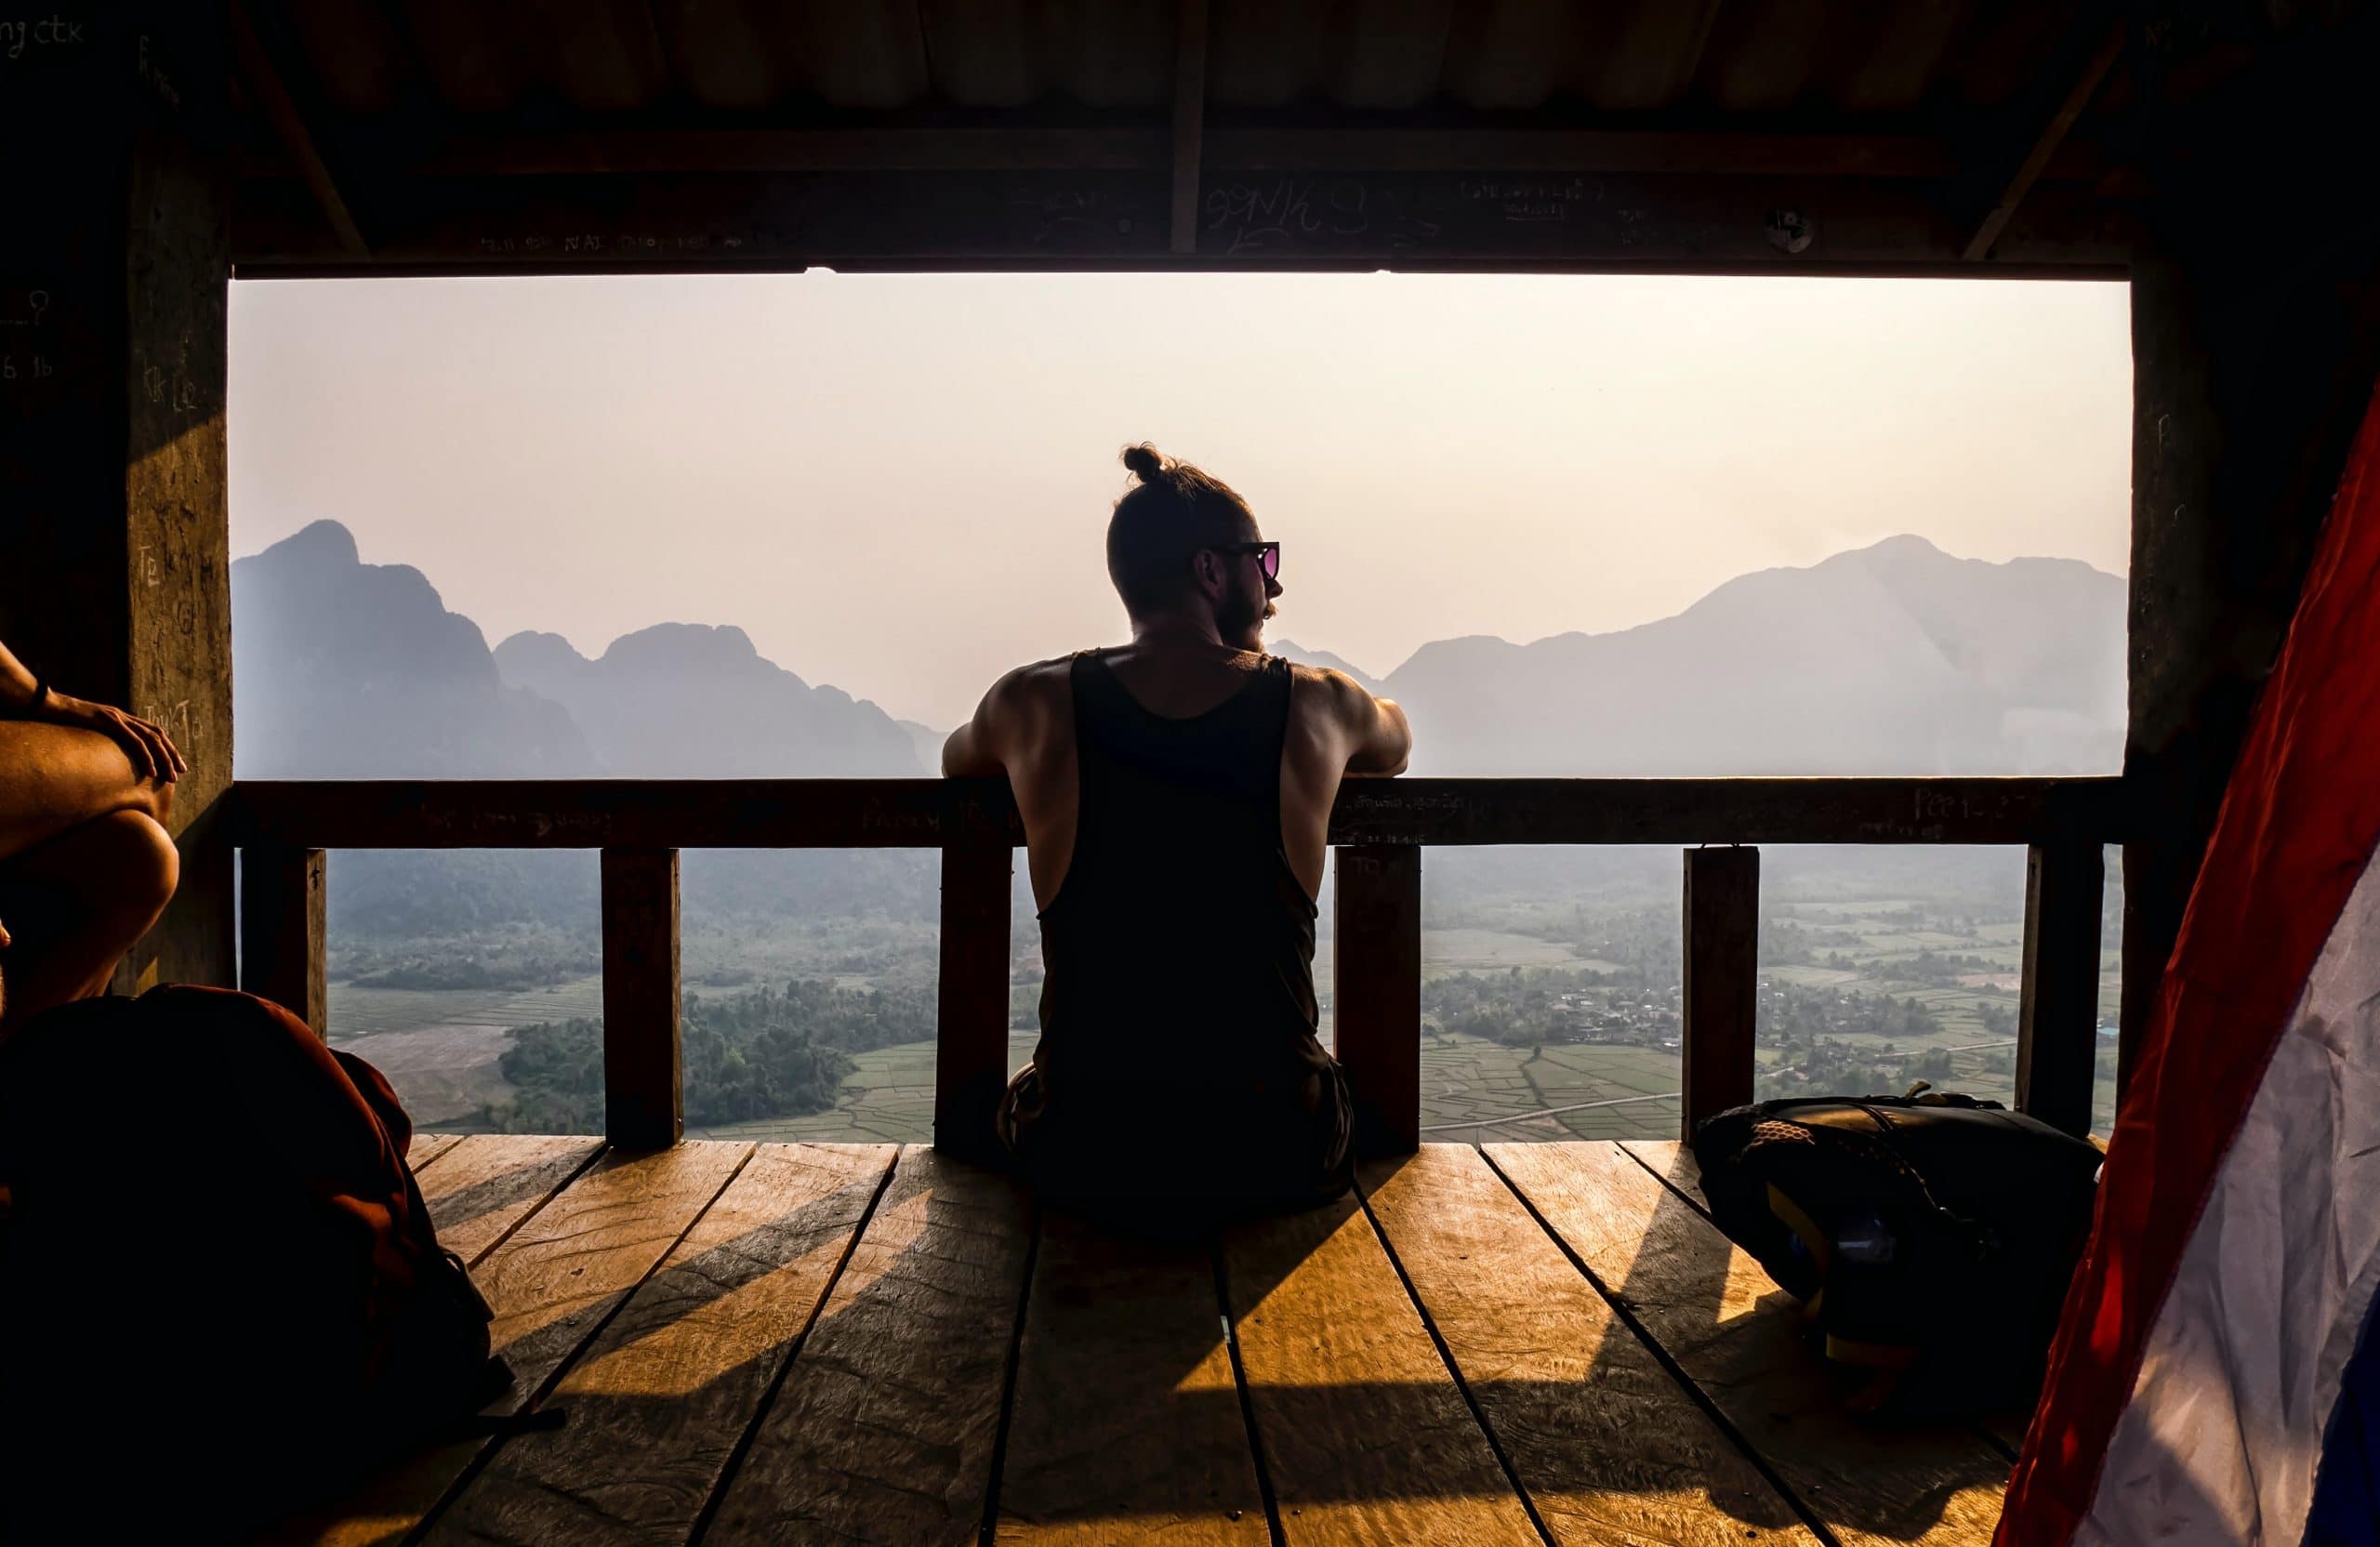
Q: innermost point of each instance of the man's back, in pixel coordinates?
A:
(1333, 728)
(1176, 796)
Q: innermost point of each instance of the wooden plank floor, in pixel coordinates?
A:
(1528, 1343)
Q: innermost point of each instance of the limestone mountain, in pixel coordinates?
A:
(345, 669)
(1896, 659)
(684, 700)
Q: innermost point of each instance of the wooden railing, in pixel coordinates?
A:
(1377, 832)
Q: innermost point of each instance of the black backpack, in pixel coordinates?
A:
(216, 1272)
(1930, 1230)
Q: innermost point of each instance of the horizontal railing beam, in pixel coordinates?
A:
(930, 813)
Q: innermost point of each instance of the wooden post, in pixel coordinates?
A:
(114, 270)
(971, 1048)
(643, 1081)
(1377, 991)
(1722, 980)
(281, 911)
(2057, 1022)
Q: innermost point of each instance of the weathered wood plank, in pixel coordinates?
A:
(283, 925)
(1673, 1162)
(971, 1009)
(1376, 995)
(2057, 1016)
(644, 1096)
(427, 1147)
(551, 1283)
(1363, 1430)
(1125, 1425)
(1738, 1338)
(1722, 980)
(1609, 1446)
(659, 1400)
(924, 813)
(490, 1183)
(884, 1428)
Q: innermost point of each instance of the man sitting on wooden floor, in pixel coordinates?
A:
(1176, 795)
(86, 866)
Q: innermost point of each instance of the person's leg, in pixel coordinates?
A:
(53, 777)
(75, 904)
(85, 865)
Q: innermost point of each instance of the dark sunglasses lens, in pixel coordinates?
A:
(1272, 560)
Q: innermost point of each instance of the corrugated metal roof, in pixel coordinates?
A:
(1839, 58)
(1878, 135)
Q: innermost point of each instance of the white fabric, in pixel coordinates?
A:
(2221, 1438)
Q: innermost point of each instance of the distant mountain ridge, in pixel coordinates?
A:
(346, 670)
(685, 700)
(1895, 658)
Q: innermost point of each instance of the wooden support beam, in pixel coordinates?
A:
(281, 930)
(643, 1080)
(928, 813)
(289, 126)
(2046, 143)
(2057, 1025)
(1722, 980)
(114, 280)
(1135, 148)
(1189, 118)
(971, 1047)
(1376, 991)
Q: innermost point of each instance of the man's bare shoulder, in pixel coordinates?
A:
(1033, 686)
(1329, 692)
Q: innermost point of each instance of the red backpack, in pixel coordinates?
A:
(220, 1288)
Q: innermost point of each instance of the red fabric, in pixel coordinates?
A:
(2298, 826)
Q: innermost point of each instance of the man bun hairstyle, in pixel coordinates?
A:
(1174, 511)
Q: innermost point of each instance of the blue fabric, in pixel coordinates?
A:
(2346, 1480)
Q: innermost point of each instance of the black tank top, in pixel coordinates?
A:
(1179, 950)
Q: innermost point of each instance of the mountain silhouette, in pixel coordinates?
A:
(686, 700)
(1894, 659)
(346, 670)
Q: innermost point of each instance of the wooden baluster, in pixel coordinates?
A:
(971, 1049)
(2057, 1020)
(643, 1080)
(282, 912)
(1377, 991)
(1722, 979)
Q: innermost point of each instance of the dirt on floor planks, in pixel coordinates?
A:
(1126, 1424)
(1673, 1163)
(1364, 1434)
(427, 1147)
(1738, 1338)
(487, 1185)
(884, 1429)
(1609, 1446)
(659, 1400)
(552, 1282)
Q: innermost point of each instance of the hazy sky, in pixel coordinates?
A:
(899, 483)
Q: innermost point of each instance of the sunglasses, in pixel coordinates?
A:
(1268, 556)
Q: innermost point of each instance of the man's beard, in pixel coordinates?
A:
(1243, 614)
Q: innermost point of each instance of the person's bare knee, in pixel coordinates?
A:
(145, 864)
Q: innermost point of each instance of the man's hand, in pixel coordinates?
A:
(152, 752)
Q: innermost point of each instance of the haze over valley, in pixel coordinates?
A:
(1552, 974)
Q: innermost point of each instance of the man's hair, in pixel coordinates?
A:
(1174, 511)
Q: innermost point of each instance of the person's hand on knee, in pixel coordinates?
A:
(154, 757)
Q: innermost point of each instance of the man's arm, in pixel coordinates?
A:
(1380, 741)
(978, 750)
